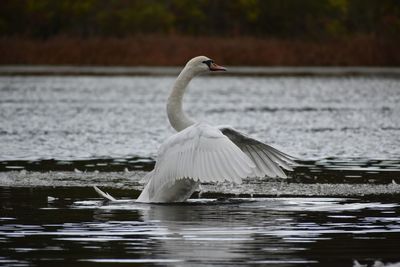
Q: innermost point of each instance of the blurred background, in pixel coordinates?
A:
(167, 33)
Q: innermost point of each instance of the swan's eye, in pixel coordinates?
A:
(208, 62)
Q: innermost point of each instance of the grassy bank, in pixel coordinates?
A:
(175, 50)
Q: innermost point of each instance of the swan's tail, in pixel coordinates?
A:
(104, 194)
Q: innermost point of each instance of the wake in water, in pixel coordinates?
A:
(376, 264)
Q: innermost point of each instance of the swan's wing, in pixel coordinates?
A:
(267, 159)
(202, 153)
(147, 177)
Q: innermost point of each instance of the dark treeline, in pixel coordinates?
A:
(302, 19)
(168, 32)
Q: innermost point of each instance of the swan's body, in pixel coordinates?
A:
(203, 153)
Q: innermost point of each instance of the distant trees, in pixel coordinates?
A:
(305, 19)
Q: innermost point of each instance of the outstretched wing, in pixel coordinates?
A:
(202, 153)
(267, 159)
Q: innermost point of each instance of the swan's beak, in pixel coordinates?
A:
(215, 67)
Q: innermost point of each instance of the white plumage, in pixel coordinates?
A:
(200, 153)
(203, 153)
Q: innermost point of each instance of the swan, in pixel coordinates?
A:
(199, 152)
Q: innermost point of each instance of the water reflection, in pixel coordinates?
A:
(270, 231)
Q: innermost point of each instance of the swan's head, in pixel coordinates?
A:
(203, 64)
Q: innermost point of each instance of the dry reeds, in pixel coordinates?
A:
(175, 50)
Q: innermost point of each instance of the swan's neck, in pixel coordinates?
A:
(176, 116)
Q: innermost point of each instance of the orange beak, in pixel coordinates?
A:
(215, 67)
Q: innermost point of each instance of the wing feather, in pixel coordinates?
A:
(213, 167)
(272, 165)
(279, 160)
(267, 159)
(261, 163)
(217, 170)
(239, 166)
(228, 171)
(202, 153)
(202, 164)
(257, 170)
(234, 167)
(206, 166)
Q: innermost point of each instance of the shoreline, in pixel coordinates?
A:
(153, 51)
(65, 70)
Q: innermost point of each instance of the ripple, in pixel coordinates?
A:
(94, 117)
(132, 260)
(209, 231)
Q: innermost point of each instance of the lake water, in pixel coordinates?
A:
(59, 135)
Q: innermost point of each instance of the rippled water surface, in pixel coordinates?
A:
(71, 229)
(60, 135)
(309, 117)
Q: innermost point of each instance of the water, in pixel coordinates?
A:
(94, 117)
(59, 135)
(76, 228)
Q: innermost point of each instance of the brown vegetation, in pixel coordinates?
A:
(156, 50)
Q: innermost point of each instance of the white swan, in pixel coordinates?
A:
(203, 153)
